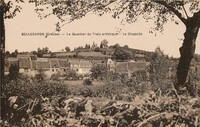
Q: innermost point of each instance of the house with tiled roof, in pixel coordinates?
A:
(25, 65)
(81, 67)
(42, 65)
(54, 65)
(64, 65)
(59, 65)
(47, 65)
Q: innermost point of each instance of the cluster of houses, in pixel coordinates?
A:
(31, 66)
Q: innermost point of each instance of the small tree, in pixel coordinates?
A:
(7, 54)
(87, 82)
(116, 46)
(42, 51)
(97, 49)
(87, 46)
(13, 71)
(99, 71)
(71, 74)
(159, 67)
(39, 52)
(67, 49)
(126, 47)
(15, 53)
(104, 44)
(122, 54)
(139, 76)
(40, 77)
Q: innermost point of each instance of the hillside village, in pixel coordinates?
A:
(116, 58)
(93, 82)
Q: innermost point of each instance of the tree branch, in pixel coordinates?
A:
(122, 9)
(185, 11)
(81, 10)
(196, 17)
(176, 12)
(154, 116)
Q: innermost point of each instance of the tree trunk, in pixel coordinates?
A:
(2, 46)
(187, 53)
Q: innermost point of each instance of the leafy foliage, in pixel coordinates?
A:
(87, 82)
(122, 54)
(99, 72)
(42, 51)
(159, 67)
(31, 88)
(13, 72)
(56, 76)
(71, 75)
(104, 44)
(159, 11)
(67, 49)
(148, 109)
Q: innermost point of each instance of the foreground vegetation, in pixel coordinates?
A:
(36, 102)
(149, 109)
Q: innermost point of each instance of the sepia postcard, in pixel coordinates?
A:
(100, 63)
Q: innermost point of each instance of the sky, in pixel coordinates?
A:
(92, 25)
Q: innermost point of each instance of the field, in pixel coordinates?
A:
(64, 54)
(92, 54)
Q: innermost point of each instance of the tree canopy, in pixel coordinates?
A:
(158, 10)
(67, 49)
(99, 71)
(104, 44)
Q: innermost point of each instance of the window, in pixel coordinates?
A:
(53, 70)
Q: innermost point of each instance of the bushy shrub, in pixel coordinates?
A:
(71, 75)
(99, 71)
(139, 76)
(31, 88)
(112, 90)
(87, 82)
(40, 76)
(55, 76)
(13, 72)
(113, 76)
(86, 91)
